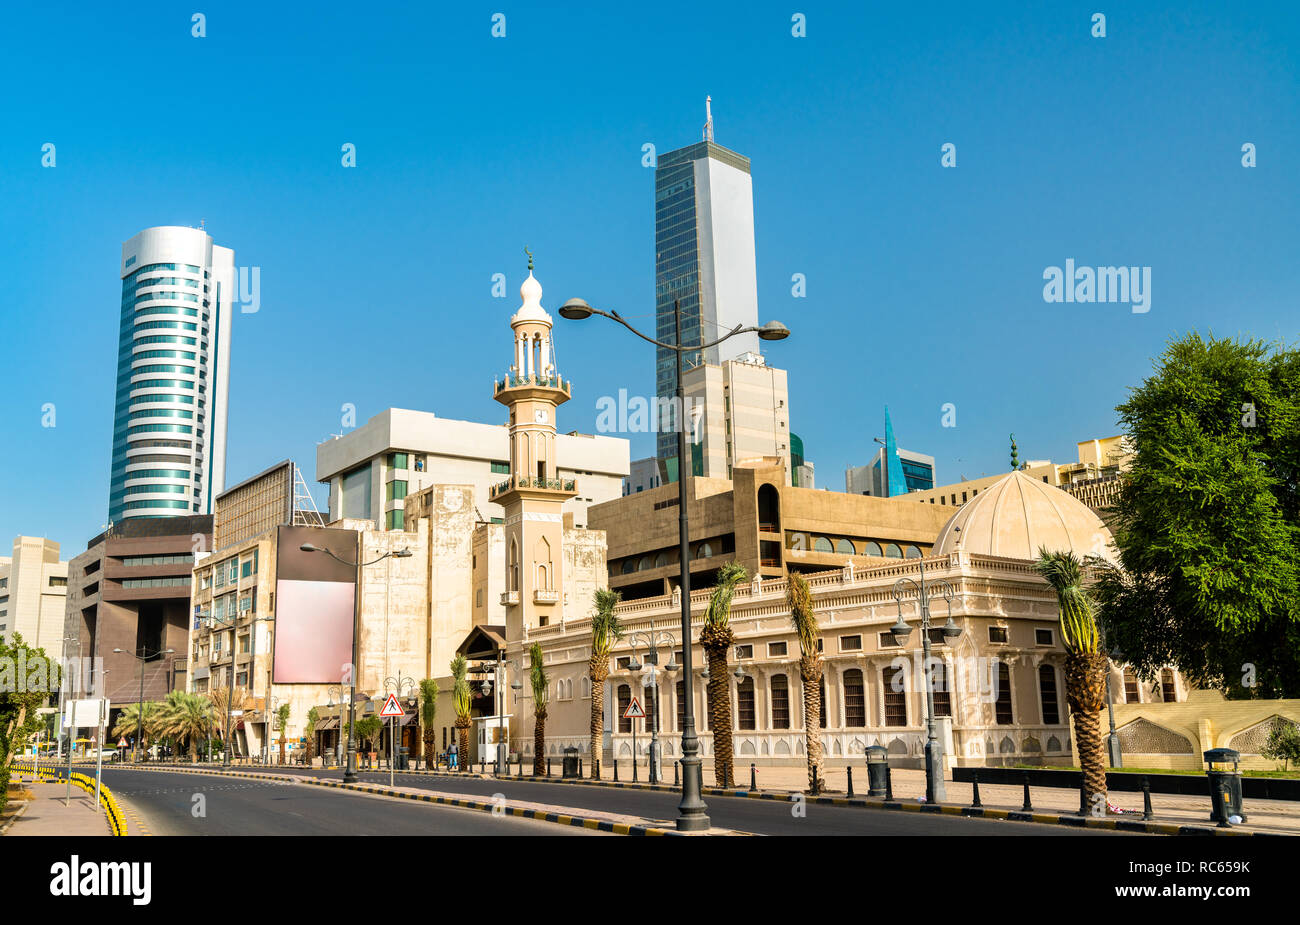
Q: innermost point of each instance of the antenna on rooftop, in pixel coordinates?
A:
(303, 503)
(708, 118)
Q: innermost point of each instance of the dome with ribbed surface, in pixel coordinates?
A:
(1016, 515)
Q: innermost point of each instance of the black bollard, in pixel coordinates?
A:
(889, 782)
(1028, 807)
(1146, 799)
(634, 777)
(850, 781)
(615, 770)
(548, 767)
(677, 770)
(975, 781)
(753, 777)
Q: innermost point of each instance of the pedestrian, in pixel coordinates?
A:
(453, 759)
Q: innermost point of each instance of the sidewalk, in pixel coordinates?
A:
(46, 814)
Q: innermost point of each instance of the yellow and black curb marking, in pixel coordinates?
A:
(112, 811)
(583, 822)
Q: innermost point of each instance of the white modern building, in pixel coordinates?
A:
(169, 426)
(33, 592)
(372, 469)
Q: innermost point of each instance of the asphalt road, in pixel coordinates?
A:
(763, 817)
(240, 806)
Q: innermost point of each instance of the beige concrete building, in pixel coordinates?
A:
(738, 410)
(33, 594)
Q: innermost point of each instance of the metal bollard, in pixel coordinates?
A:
(889, 782)
(1146, 799)
(548, 767)
(634, 777)
(753, 777)
(850, 781)
(975, 781)
(615, 770)
(1028, 807)
(677, 770)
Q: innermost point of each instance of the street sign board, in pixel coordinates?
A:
(81, 714)
(392, 707)
(634, 710)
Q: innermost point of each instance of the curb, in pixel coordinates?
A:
(18, 814)
(568, 819)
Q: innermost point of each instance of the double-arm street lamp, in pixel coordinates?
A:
(143, 656)
(692, 813)
(350, 772)
(650, 641)
(403, 687)
(489, 670)
(934, 789)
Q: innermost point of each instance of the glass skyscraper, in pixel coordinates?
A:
(169, 424)
(704, 256)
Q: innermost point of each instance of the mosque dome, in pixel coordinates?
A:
(1017, 515)
(531, 309)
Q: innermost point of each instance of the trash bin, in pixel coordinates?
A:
(877, 770)
(403, 758)
(1225, 786)
(570, 768)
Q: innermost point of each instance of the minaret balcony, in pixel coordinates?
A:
(509, 598)
(513, 381)
(560, 486)
(546, 597)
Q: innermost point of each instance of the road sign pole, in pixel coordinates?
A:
(72, 732)
(99, 752)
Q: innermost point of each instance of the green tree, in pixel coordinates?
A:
(186, 717)
(313, 717)
(428, 720)
(716, 637)
(541, 698)
(606, 630)
(282, 725)
(1283, 744)
(139, 720)
(19, 701)
(804, 620)
(460, 698)
(1208, 520)
(368, 731)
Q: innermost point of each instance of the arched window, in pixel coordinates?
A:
(514, 566)
(1003, 706)
(844, 547)
(1131, 694)
(1047, 694)
(769, 509)
(855, 699)
(586, 686)
(913, 552)
(704, 551)
(661, 560)
(822, 544)
(941, 684)
(872, 549)
(624, 699)
(681, 705)
(825, 707)
(780, 702)
(629, 566)
(1167, 689)
(643, 564)
(893, 552)
(895, 697)
(745, 704)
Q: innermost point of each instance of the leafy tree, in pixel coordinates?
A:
(186, 717)
(428, 720)
(282, 724)
(716, 638)
(804, 621)
(19, 702)
(1208, 520)
(313, 717)
(140, 721)
(460, 697)
(606, 630)
(541, 699)
(1283, 744)
(368, 730)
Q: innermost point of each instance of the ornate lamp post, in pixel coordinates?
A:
(934, 789)
(403, 687)
(350, 772)
(691, 811)
(650, 641)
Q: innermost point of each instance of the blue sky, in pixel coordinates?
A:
(924, 284)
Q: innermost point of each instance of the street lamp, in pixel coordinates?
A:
(651, 640)
(397, 686)
(691, 811)
(350, 772)
(139, 715)
(934, 788)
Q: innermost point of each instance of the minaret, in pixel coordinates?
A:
(534, 494)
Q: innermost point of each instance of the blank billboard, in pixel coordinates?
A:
(314, 606)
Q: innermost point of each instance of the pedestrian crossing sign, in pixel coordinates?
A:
(634, 710)
(392, 707)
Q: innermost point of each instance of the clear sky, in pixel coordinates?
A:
(924, 283)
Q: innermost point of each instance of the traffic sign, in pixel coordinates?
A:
(634, 710)
(392, 707)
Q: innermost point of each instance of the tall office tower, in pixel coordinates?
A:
(169, 426)
(704, 256)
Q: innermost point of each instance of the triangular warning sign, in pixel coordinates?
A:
(392, 707)
(634, 710)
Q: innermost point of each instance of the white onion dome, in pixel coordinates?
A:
(531, 309)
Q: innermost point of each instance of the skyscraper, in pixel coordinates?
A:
(704, 256)
(169, 424)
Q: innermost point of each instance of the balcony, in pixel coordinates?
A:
(512, 381)
(546, 597)
(509, 598)
(568, 486)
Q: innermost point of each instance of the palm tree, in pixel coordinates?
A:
(138, 720)
(1085, 665)
(282, 724)
(241, 701)
(810, 672)
(537, 675)
(187, 717)
(716, 638)
(428, 716)
(606, 630)
(310, 731)
(460, 698)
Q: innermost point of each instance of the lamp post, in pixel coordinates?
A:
(213, 622)
(350, 772)
(692, 813)
(934, 789)
(494, 668)
(395, 686)
(1113, 750)
(143, 657)
(651, 640)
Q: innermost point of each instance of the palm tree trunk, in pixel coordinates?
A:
(720, 715)
(430, 748)
(811, 672)
(539, 744)
(599, 670)
(462, 742)
(1085, 689)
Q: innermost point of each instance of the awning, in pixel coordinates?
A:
(325, 725)
(483, 642)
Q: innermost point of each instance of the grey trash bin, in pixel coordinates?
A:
(570, 768)
(877, 770)
(1225, 785)
(403, 758)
